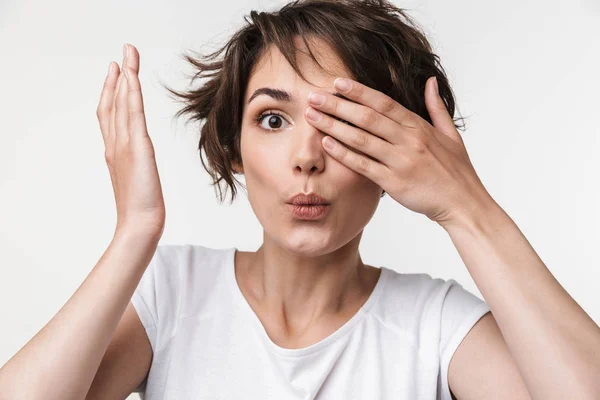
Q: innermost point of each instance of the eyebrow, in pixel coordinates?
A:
(280, 94)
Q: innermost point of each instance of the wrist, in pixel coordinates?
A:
(473, 215)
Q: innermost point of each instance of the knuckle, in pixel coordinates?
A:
(368, 117)
(364, 164)
(109, 156)
(359, 140)
(418, 144)
(102, 112)
(335, 106)
(327, 123)
(343, 153)
(409, 123)
(388, 104)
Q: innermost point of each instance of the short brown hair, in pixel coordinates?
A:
(378, 42)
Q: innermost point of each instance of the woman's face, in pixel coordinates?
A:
(282, 155)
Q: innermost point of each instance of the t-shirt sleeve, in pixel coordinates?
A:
(461, 310)
(156, 298)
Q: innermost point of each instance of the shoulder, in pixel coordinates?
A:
(428, 309)
(180, 276)
(420, 295)
(174, 261)
(407, 292)
(181, 280)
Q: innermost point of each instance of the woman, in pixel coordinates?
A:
(303, 317)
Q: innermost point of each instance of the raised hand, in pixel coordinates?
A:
(423, 167)
(129, 151)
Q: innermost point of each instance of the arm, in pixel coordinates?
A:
(425, 167)
(126, 362)
(555, 344)
(482, 366)
(61, 360)
(63, 357)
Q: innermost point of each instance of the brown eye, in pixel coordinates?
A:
(274, 121)
(270, 121)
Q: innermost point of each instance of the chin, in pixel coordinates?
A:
(307, 242)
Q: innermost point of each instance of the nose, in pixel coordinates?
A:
(307, 152)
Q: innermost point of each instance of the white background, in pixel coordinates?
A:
(525, 74)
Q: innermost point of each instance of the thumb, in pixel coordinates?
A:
(438, 112)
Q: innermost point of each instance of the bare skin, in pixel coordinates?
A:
(304, 282)
(283, 333)
(307, 278)
(98, 329)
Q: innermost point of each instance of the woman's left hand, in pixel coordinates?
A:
(423, 167)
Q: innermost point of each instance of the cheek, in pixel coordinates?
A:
(352, 185)
(345, 177)
(263, 165)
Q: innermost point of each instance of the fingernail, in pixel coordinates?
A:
(342, 85)
(316, 98)
(328, 143)
(313, 115)
(125, 51)
(109, 68)
(435, 86)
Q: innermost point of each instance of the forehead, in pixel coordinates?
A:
(273, 70)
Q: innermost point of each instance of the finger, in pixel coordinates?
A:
(135, 103)
(133, 58)
(105, 116)
(358, 115)
(104, 106)
(376, 100)
(360, 141)
(373, 170)
(121, 109)
(440, 117)
(113, 114)
(120, 77)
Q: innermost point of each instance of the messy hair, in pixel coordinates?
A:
(379, 44)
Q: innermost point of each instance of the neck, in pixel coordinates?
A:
(299, 289)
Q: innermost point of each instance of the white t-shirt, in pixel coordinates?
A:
(208, 343)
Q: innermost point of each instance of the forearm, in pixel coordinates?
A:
(61, 360)
(555, 344)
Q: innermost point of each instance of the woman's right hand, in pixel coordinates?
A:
(129, 151)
